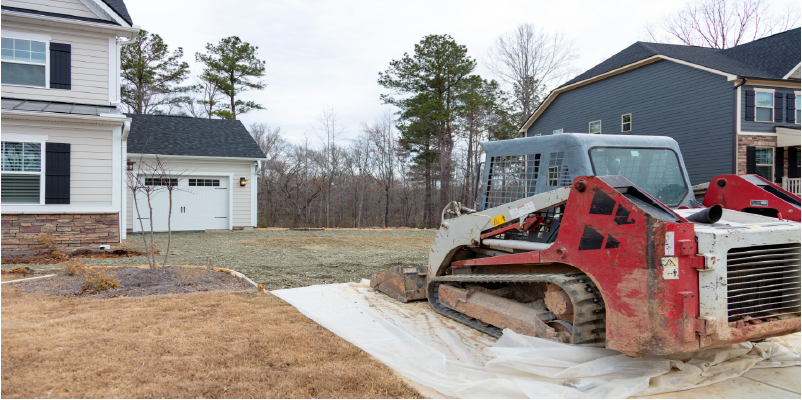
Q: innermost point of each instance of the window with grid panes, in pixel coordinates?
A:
(764, 161)
(24, 62)
(21, 172)
(764, 107)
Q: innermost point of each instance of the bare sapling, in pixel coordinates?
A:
(169, 178)
(153, 176)
(140, 190)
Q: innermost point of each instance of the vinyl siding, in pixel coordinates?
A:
(764, 127)
(241, 196)
(90, 158)
(69, 7)
(692, 106)
(89, 68)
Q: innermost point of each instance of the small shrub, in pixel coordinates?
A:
(186, 275)
(46, 239)
(73, 267)
(19, 270)
(98, 280)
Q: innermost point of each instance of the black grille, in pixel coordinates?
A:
(763, 281)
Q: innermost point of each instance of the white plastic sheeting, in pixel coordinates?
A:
(458, 361)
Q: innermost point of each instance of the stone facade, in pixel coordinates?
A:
(745, 141)
(26, 231)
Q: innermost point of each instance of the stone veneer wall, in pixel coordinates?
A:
(22, 231)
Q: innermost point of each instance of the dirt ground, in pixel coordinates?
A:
(285, 258)
(136, 282)
(220, 344)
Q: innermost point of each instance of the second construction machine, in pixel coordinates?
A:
(597, 240)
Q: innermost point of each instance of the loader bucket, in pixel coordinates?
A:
(402, 283)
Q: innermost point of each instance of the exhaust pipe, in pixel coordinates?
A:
(707, 216)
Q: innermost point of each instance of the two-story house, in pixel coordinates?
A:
(732, 111)
(63, 139)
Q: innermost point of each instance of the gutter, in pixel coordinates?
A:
(736, 117)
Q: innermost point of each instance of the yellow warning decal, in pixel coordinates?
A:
(499, 220)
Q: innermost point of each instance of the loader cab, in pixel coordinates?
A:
(519, 168)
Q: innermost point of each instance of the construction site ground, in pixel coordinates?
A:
(283, 258)
(278, 259)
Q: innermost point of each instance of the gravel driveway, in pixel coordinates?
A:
(284, 258)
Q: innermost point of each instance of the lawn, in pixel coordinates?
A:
(214, 344)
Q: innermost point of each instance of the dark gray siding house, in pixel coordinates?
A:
(703, 98)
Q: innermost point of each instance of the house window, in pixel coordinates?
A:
(764, 160)
(764, 106)
(594, 127)
(557, 132)
(798, 106)
(21, 172)
(626, 122)
(554, 176)
(24, 62)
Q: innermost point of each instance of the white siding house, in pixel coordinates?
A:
(62, 137)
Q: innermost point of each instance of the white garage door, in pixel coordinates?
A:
(199, 203)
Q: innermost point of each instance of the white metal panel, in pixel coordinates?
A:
(195, 208)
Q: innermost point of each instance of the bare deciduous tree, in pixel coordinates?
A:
(150, 178)
(530, 62)
(329, 130)
(722, 24)
(384, 149)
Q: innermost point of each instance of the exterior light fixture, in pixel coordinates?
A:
(130, 165)
(242, 181)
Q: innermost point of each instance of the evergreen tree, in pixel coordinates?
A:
(433, 75)
(230, 66)
(151, 75)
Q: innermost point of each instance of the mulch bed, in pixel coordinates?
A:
(137, 282)
(44, 257)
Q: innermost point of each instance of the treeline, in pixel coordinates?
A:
(407, 165)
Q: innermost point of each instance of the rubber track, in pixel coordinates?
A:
(589, 315)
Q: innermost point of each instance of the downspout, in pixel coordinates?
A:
(737, 115)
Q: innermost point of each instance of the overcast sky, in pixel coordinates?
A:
(329, 53)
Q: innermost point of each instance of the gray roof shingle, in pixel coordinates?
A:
(771, 57)
(186, 136)
(119, 7)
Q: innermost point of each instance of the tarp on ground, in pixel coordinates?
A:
(458, 361)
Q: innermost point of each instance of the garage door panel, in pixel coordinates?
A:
(199, 203)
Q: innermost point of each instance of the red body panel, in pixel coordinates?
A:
(736, 193)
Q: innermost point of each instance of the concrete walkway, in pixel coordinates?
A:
(764, 383)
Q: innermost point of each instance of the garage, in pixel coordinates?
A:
(213, 165)
(199, 203)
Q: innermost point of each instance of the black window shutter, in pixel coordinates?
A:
(57, 173)
(793, 169)
(790, 107)
(779, 164)
(751, 161)
(750, 105)
(778, 107)
(60, 65)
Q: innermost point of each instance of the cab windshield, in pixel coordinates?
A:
(657, 171)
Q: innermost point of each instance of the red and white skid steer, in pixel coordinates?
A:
(596, 240)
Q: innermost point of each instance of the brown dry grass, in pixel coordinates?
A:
(377, 242)
(214, 344)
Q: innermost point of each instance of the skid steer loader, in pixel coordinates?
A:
(597, 240)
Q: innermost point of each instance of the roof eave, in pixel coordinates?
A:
(212, 158)
(44, 20)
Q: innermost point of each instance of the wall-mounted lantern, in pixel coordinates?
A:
(242, 181)
(130, 165)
